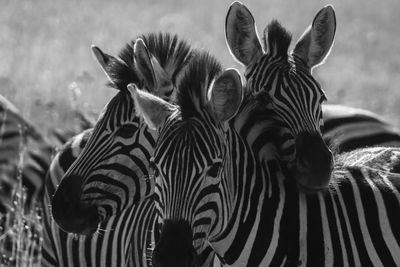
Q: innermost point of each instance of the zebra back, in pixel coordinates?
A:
(347, 128)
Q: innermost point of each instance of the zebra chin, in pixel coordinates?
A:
(312, 184)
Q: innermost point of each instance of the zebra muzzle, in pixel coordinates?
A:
(70, 213)
(314, 163)
(175, 248)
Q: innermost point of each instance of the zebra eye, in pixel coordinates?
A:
(127, 130)
(153, 169)
(214, 170)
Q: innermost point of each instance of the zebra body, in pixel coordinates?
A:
(347, 128)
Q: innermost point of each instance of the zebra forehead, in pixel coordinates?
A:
(120, 110)
(276, 39)
(189, 140)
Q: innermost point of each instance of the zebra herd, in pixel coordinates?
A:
(191, 165)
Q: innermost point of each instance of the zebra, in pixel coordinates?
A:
(207, 98)
(269, 71)
(103, 173)
(229, 182)
(346, 128)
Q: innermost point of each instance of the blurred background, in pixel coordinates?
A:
(47, 70)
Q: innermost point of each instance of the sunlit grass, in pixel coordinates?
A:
(20, 234)
(21, 226)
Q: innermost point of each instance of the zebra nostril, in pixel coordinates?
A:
(314, 162)
(175, 247)
(68, 211)
(169, 93)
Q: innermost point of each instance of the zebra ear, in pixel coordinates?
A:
(153, 109)
(143, 64)
(241, 34)
(104, 60)
(150, 71)
(314, 45)
(225, 94)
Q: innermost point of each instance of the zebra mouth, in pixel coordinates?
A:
(311, 178)
(174, 247)
(309, 190)
(310, 183)
(83, 221)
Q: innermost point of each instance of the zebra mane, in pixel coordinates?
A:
(195, 82)
(172, 54)
(276, 39)
(254, 107)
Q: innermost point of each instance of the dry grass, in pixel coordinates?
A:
(20, 234)
(21, 227)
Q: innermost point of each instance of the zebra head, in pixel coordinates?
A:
(188, 158)
(292, 95)
(112, 171)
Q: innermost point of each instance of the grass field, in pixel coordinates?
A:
(45, 55)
